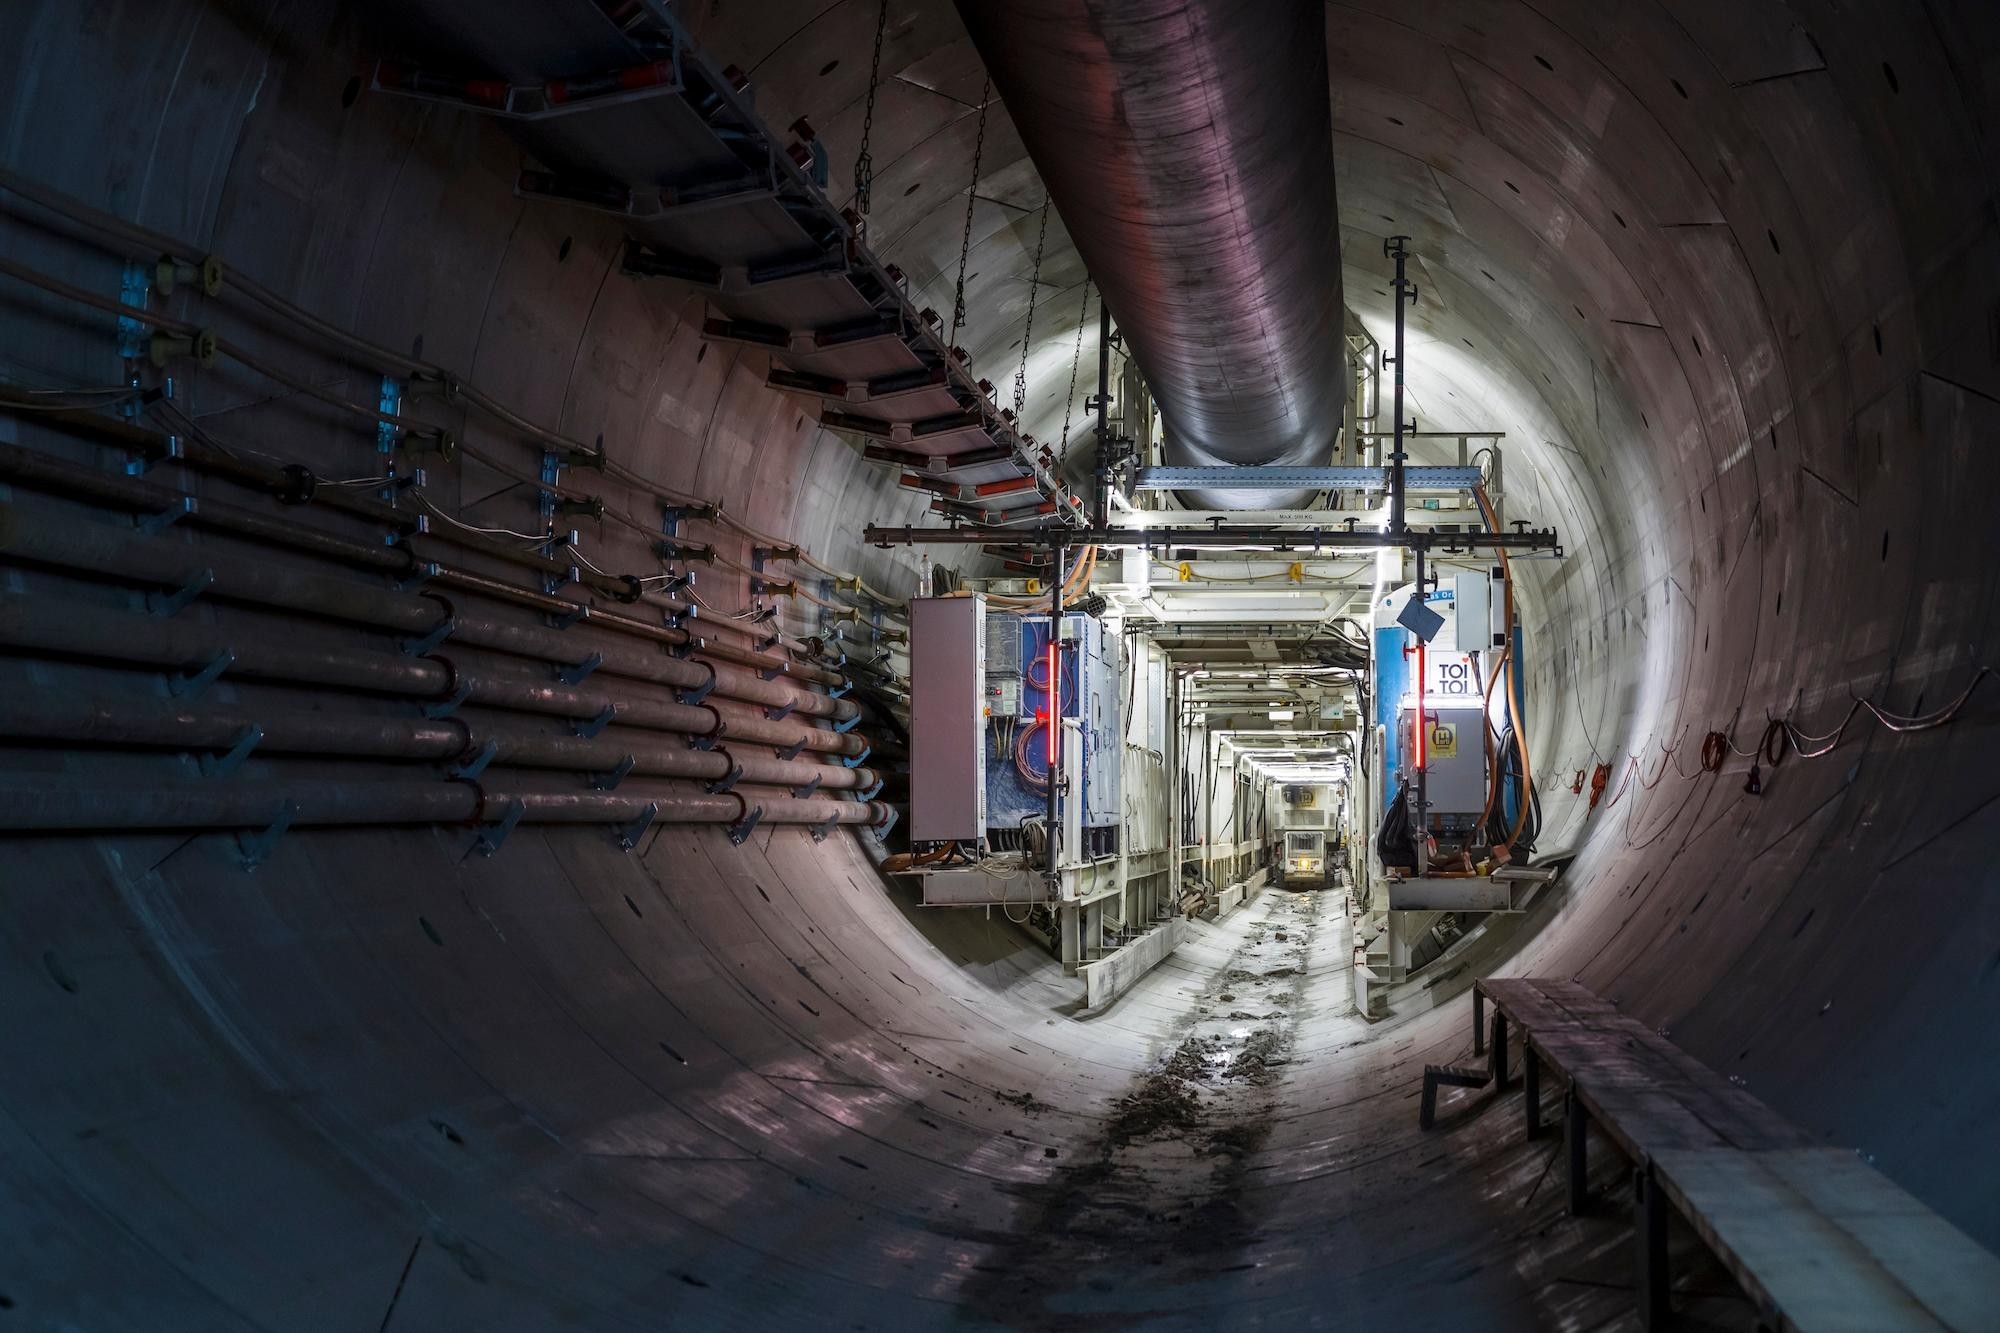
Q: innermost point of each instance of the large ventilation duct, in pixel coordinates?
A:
(1189, 148)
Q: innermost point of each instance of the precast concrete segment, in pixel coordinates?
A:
(1727, 275)
(1189, 148)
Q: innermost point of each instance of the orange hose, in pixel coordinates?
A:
(1486, 734)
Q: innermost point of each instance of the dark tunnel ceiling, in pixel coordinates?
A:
(1725, 273)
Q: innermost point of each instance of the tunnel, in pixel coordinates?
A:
(454, 722)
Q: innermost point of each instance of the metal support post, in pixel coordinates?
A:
(1531, 1088)
(1649, 1237)
(1499, 1051)
(1101, 482)
(1576, 1147)
(1050, 874)
(1396, 248)
(1422, 747)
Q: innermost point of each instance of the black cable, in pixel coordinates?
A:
(1392, 840)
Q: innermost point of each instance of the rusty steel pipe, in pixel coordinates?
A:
(264, 653)
(1189, 147)
(76, 481)
(100, 549)
(39, 805)
(165, 724)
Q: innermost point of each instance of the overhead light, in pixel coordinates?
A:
(1281, 715)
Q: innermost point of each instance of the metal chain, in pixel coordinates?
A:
(1070, 401)
(864, 164)
(1028, 330)
(971, 198)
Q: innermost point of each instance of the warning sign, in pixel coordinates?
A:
(1444, 740)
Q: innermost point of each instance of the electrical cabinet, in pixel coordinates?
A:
(947, 719)
(1020, 679)
(1454, 759)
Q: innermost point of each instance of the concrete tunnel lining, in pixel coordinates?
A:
(1747, 255)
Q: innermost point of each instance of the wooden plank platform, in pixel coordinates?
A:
(1819, 1239)
(1828, 1242)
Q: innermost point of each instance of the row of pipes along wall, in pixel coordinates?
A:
(267, 647)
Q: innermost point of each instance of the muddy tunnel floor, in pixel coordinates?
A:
(1161, 1189)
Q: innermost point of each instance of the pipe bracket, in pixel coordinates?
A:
(869, 792)
(155, 524)
(193, 686)
(491, 836)
(744, 827)
(695, 694)
(429, 643)
(846, 684)
(846, 725)
(779, 712)
(255, 848)
(800, 793)
(707, 741)
(564, 619)
(472, 765)
(167, 605)
(790, 752)
(856, 760)
(420, 574)
(727, 782)
(595, 725)
(772, 673)
(222, 765)
(820, 830)
(609, 781)
(579, 672)
(629, 834)
(445, 707)
(882, 832)
(766, 645)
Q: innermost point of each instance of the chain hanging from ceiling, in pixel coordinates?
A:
(971, 199)
(1028, 330)
(1070, 400)
(864, 163)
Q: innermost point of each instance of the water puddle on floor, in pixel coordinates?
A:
(1156, 1200)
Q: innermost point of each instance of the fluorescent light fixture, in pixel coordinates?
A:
(1281, 715)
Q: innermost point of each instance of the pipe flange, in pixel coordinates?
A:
(634, 589)
(299, 485)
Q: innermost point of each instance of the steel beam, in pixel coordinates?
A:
(1218, 537)
(1317, 478)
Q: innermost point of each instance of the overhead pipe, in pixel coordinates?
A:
(162, 724)
(269, 653)
(1188, 145)
(100, 549)
(60, 476)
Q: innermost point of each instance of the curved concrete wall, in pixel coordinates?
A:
(1728, 274)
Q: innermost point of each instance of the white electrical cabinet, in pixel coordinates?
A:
(1472, 594)
(948, 719)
